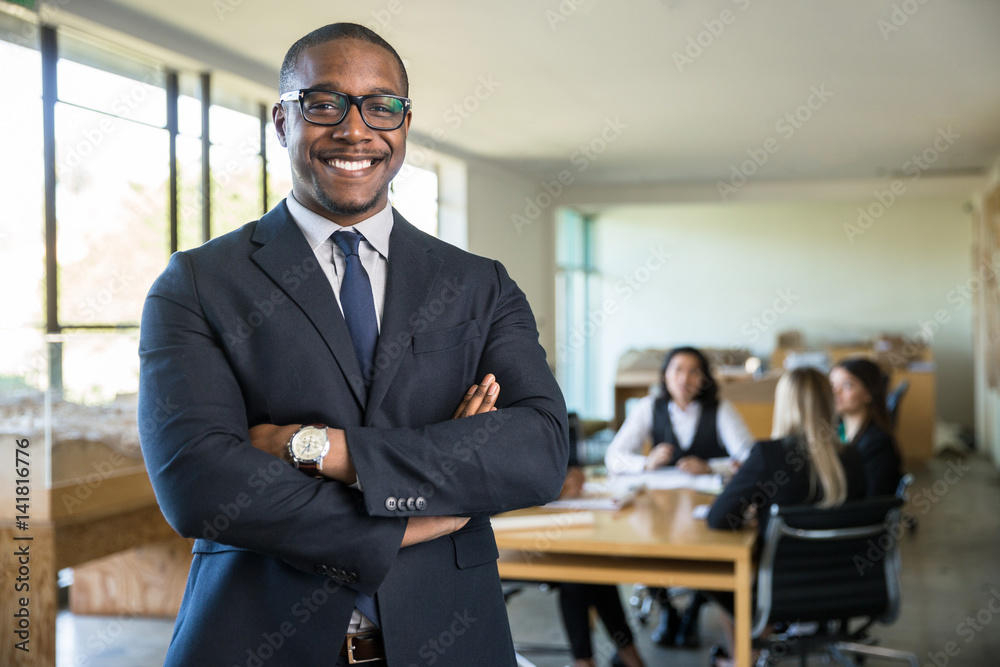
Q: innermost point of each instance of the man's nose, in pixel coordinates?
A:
(353, 126)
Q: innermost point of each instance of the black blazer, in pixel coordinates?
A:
(880, 458)
(246, 330)
(776, 473)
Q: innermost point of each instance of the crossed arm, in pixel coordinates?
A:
(196, 395)
(337, 465)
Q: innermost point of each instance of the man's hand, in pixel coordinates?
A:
(273, 439)
(659, 456)
(573, 486)
(426, 528)
(693, 465)
(480, 398)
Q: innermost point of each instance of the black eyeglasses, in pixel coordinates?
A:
(327, 107)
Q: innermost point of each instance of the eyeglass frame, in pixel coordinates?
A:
(353, 100)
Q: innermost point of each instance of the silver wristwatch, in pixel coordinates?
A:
(308, 447)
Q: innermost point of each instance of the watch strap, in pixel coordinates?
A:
(310, 468)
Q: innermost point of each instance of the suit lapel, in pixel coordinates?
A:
(287, 259)
(412, 272)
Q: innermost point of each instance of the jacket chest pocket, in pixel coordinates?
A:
(445, 339)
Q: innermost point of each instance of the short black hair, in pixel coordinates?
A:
(708, 393)
(329, 33)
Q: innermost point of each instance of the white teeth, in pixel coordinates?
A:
(350, 166)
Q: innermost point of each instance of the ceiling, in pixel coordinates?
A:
(675, 91)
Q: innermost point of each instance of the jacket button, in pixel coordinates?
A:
(351, 577)
(411, 503)
(320, 569)
(390, 503)
(421, 503)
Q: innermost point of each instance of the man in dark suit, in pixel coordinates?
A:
(354, 523)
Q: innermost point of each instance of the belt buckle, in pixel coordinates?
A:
(350, 647)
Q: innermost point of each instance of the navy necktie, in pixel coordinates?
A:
(359, 313)
(358, 304)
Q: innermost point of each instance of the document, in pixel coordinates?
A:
(557, 520)
(601, 496)
(672, 478)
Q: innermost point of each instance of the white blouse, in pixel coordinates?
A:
(624, 453)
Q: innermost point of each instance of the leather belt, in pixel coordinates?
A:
(363, 647)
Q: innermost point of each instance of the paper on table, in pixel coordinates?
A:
(671, 478)
(555, 520)
(700, 511)
(600, 497)
(598, 504)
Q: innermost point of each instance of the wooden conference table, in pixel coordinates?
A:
(655, 541)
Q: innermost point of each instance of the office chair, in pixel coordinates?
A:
(835, 568)
(894, 398)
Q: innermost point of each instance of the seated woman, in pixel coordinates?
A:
(859, 390)
(805, 453)
(690, 428)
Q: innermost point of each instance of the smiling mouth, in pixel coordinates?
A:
(350, 165)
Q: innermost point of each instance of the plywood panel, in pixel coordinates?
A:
(40, 595)
(145, 581)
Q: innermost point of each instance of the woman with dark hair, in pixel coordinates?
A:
(686, 422)
(689, 427)
(859, 390)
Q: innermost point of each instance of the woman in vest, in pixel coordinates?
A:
(689, 427)
(859, 390)
(806, 452)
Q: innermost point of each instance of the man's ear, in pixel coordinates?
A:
(279, 118)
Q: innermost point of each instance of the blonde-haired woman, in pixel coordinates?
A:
(804, 463)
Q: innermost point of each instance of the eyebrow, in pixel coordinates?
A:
(329, 85)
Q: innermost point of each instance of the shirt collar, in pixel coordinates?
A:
(692, 408)
(318, 229)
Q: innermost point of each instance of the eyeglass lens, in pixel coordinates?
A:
(382, 112)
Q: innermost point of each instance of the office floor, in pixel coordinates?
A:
(951, 587)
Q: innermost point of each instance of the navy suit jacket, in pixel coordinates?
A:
(246, 330)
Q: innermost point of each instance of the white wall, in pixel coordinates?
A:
(730, 264)
(526, 250)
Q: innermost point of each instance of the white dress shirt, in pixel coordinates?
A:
(373, 251)
(624, 455)
(374, 254)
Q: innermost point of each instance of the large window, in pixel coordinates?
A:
(236, 167)
(414, 193)
(112, 175)
(23, 364)
(89, 227)
(578, 332)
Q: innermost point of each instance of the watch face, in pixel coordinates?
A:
(309, 444)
